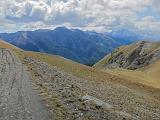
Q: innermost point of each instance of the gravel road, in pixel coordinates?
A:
(18, 101)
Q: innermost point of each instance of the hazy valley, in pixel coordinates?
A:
(81, 46)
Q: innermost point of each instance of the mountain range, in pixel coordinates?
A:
(81, 46)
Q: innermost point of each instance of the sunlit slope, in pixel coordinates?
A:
(132, 56)
(60, 62)
(83, 71)
(138, 62)
(149, 76)
(103, 85)
(4, 44)
(50, 75)
(90, 73)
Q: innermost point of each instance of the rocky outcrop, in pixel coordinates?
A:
(134, 56)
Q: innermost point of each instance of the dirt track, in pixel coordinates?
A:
(18, 101)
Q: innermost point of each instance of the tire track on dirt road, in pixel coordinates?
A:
(18, 101)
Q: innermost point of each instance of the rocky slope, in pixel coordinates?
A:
(132, 57)
(69, 97)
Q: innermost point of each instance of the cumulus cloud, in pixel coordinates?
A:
(148, 23)
(100, 15)
(156, 4)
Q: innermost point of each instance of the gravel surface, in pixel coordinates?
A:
(72, 98)
(18, 101)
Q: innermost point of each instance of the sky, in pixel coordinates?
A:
(93, 15)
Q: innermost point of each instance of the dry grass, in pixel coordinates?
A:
(149, 76)
(62, 63)
(140, 81)
(147, 80)
(130, 79)
(4, 44)
(126, 50)
(144, 77)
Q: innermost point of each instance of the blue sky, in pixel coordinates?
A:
(97, 15)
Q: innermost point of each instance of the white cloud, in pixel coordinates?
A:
(148, 23)
(156, 4)
(91, 14)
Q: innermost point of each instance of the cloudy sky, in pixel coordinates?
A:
(97, 15)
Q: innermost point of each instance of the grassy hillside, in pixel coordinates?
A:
(147, 74)
(4, 44)
(120, 56)
(90, 73)
(125, 90)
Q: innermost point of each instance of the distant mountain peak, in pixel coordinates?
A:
(62, 28)
(78, 45)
